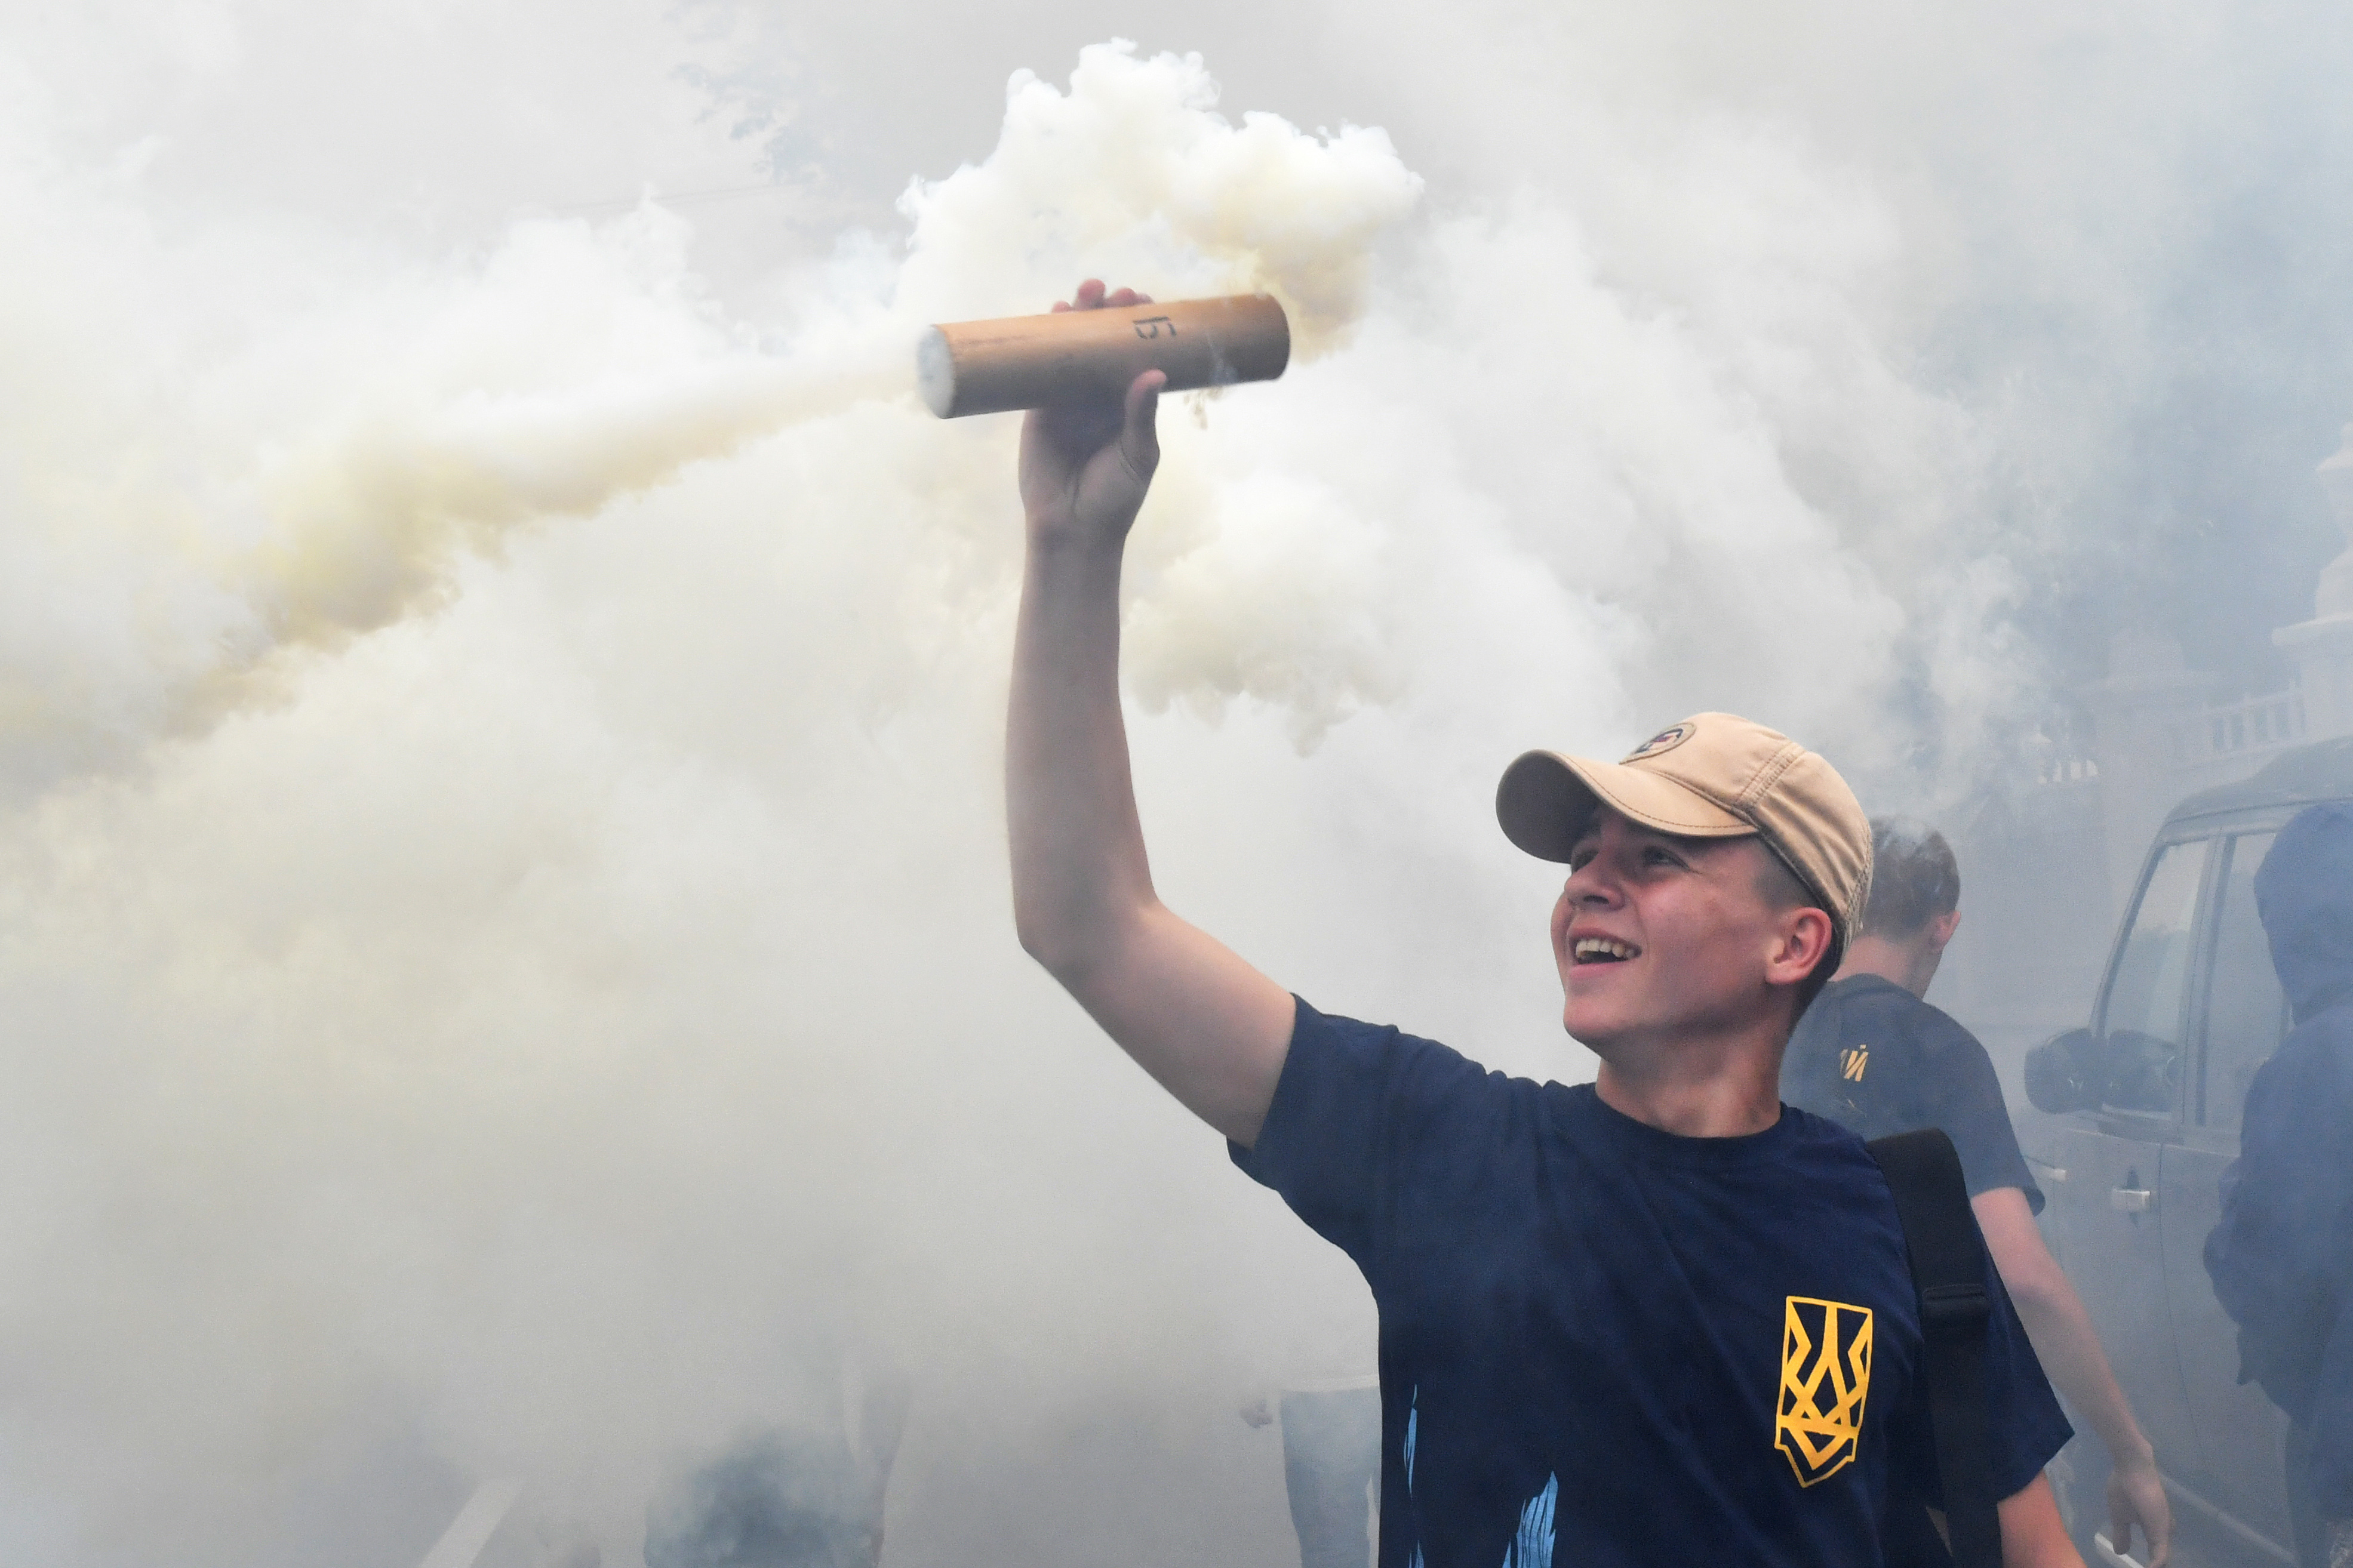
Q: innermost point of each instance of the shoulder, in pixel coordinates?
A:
(2316, 1054)
(1823, 1014)
(1896, 1020)
(2321, 1044)
(1815, 1156)
(1894, 1011)
(1826, 1201)
(1819, 1146)
(1829, 1025)
(1941, 1034)
(1867, 1007)
(2307, 1078)
(1328, 1038)
(1362, 1112)
(1411, 1080)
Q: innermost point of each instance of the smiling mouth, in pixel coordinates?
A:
(1601, 950)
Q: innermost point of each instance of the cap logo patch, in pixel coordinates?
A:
(1664, 740)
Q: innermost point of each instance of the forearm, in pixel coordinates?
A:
(2055, 1321)
(2078, 1368)
(2032, 1534)
(1079, 876)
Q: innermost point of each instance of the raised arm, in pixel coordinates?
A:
(1210, 1028)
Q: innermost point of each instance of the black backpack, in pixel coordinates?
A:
(1948, 1273)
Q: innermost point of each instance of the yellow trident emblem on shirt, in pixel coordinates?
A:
(1825, 1377)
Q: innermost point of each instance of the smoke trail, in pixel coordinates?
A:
(221, 491)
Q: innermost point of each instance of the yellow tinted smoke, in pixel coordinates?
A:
(320, 472)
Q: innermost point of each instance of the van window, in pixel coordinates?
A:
(2143, 1017)
(2246, 1016)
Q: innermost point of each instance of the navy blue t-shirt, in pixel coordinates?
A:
(1604, 1344)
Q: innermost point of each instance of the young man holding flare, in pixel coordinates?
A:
(1657, 1319)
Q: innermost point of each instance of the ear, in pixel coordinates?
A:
(1941, 929)
(1803, 946)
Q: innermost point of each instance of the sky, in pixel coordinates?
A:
(504, 944)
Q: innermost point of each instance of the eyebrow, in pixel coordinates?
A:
(1680, 843)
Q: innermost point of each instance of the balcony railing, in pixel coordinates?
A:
(2240, 729)
(2065, 770)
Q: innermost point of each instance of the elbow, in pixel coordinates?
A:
(1076, 947)
(2036, 1283)
(1053, 943)
(2036, 1292)
(1067, 948)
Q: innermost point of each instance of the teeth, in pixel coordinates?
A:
(1588, 947)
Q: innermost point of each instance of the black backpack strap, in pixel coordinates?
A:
(1949, 1271)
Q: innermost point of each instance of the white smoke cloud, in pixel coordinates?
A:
(1177, 199)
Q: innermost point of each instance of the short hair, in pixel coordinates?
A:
(1782, 888)
(1914, 878)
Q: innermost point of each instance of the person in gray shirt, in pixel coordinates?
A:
(1872, 1053)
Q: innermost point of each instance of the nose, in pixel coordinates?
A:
(1590, 885)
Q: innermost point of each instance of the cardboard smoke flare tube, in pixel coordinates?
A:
(1077, 356)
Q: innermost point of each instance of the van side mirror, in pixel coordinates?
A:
(2068, 1072)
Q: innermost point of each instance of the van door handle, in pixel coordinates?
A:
(2131, 1200)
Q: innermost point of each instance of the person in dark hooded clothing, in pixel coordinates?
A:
(2282, 1258)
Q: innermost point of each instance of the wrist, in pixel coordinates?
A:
(1062, 533)
(2134, 1453)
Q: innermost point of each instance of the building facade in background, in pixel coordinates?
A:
(2047, 864)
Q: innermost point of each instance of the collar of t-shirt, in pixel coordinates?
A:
(1640, 1140)
(1867, 981)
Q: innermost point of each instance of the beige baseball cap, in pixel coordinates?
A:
(1715, 776)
